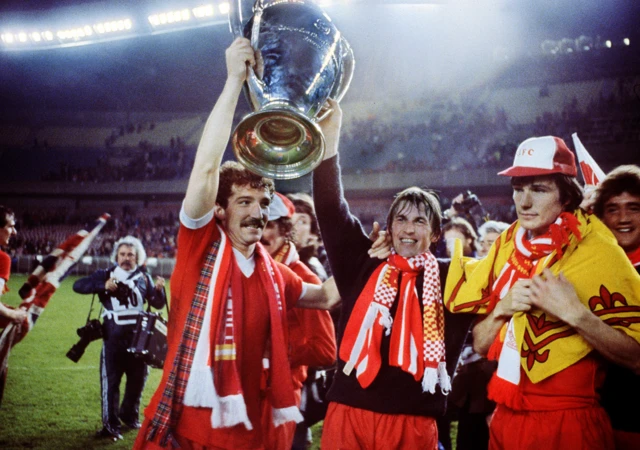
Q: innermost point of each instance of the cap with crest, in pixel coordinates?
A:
(542, 156)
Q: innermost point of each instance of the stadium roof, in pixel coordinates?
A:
(395, 44)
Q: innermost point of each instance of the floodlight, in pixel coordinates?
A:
(626, 41)
(224, 8)
(607, 43)
(203, 11)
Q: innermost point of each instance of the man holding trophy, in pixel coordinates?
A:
(227, 334)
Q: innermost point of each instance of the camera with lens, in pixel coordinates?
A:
(92, 331)
(123, 293)
(469, 201)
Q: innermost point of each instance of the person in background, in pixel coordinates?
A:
(469, 388)
(617, 203)
(306, 235)
(312, 340)
(122, 289)
(459, 228)
(488, 232)
(7, 231)
(554, 312)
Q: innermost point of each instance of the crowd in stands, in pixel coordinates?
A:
(442, 134)
(41, 231)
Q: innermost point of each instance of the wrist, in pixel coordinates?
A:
(579, 318)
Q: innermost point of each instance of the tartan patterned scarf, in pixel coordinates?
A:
(413, 330)
(206, 375)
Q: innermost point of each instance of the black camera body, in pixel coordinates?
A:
(469, 201)
(92, 331)
(123, 293)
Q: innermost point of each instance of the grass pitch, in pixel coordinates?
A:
(50, 402)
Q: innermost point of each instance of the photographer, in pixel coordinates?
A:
(122, 290)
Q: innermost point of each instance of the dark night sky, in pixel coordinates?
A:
(183, 71)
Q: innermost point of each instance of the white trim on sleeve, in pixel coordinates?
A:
(194, 224)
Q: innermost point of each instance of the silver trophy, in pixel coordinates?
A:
(301, 61)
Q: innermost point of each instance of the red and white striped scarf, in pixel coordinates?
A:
(412, 330)
(204, 372)
(528, 258)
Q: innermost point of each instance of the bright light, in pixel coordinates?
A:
(626, 41)
(224, 8)
(35, 37)
(324, 2)
(48, 35)
(182, 15)
(8, 38)
(22, 37)
(203, 11)
(607, 43)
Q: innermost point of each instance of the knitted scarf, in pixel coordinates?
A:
(528, 258)
(287, 254)
(587, 254)
(204, 372)
(413, 330)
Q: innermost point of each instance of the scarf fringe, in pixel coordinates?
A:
(200, 391)
(434, 376)
(284, 415)
(231, 412)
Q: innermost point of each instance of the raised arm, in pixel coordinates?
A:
(203, 181)
(557, 296)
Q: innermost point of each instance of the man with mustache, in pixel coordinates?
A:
(560, 299)
(227, 335)
(312, 339)
(122, 290)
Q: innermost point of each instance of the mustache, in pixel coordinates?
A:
(253, 222)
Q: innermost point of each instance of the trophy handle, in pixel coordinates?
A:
(239, 15)
(343, 81)
(346, 72)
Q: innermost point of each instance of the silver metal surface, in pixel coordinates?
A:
(301, 61)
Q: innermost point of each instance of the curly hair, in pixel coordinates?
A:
(133, 242)
(233, 173)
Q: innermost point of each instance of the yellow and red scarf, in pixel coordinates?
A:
(586, 252)
(412, 331)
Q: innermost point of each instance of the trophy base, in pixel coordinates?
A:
(278, 143)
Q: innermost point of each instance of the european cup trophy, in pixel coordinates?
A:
(301, 61)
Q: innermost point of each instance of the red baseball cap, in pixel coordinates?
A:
(281, 206)
(542, 156)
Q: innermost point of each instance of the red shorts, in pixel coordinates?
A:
(353, 428)
(583, 428)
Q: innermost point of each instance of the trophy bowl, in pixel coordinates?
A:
(301, 61)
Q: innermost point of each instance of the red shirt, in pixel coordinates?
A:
(195, 423)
